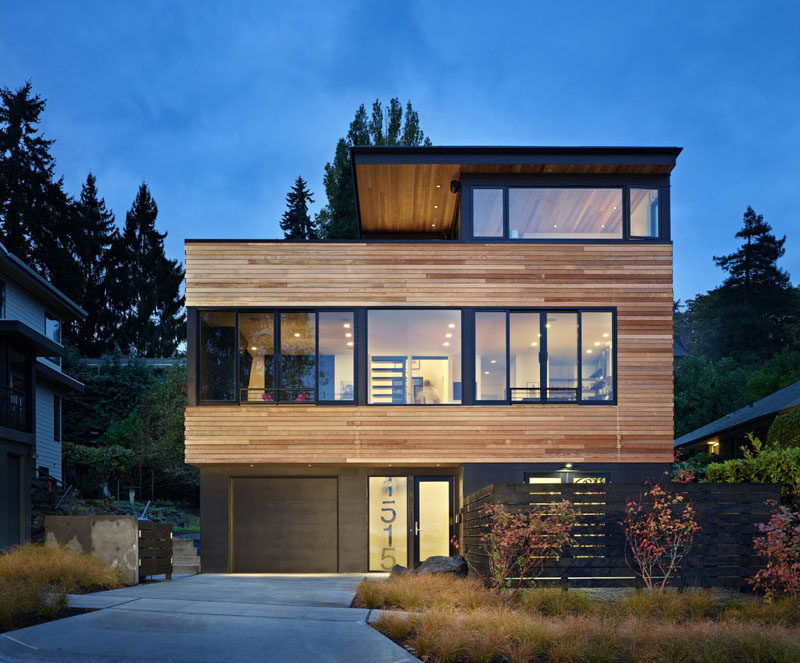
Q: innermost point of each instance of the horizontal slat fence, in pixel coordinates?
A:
(155, 549)
(722, 554)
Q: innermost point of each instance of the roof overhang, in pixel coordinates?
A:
(401, 190)
(27, 337)
(60, 380)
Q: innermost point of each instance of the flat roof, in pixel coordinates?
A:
(783, 399)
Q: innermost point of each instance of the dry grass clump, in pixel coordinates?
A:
(424, 592)
(22, 599)
(485, 634)
(50, 565)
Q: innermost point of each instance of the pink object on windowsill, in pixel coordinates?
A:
(301, 397)
(266, 397)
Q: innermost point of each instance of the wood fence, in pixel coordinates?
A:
(155, 549)
(722, 554)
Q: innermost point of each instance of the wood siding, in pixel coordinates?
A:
(634, 278)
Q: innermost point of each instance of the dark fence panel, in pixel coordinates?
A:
(722, 554)
(155, 549)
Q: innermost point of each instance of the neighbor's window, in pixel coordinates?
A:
(336, 356)
(576, 213)
(487, 212)
(597, 356)
(256, 357)
(414, 356)
(490, 356)
(388, 522)
(52, 329)
(644, 212)
(298, 364)
(524, 351)
(217, 356)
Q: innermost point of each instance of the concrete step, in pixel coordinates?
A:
(183, 569)
(185, 559)
(183, 544)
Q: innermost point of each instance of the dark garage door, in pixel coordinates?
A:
(284, 525)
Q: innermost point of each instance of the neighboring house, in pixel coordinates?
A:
(728, 434)
(506, 316)
(32, 313)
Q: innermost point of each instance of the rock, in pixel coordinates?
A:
(398, 570)
(455, 565)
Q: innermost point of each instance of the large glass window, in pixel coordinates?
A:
(336, 356)
(487, 212)
(298, 367)
(549, 213)
(414, 356)
(644, 212)
(524, 351)
(597, 357)
(256, 357)
(52, 329)
(217, 356)
(490, 356)
(388, 522)
(562, 356)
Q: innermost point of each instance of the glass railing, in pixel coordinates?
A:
(287, 395)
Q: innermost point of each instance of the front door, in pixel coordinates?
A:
(433, 508)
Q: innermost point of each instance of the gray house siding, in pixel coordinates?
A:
(48, 451)
(22, 306)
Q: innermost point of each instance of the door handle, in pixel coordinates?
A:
(416, 528)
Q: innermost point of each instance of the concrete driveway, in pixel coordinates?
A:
(212, 618)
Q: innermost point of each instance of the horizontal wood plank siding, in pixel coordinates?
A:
(634, 278)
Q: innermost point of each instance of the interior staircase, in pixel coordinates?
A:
(185, 558)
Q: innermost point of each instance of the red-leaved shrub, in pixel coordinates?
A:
(659, 532)
(780, 546)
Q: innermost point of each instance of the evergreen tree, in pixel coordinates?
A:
(296, 222)
(756, 312)
(93, 236)
(34, 210)
(144, 293)
(338, 219)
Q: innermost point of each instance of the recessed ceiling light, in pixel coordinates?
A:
(346, 325)
(297, 334)
(605, 335)
(348, 335)
(597, 342)
(494, 361)
(555, 225)
(615, 207)
(603, 226)
(446, 343)
(452, 325)
(349, 342)
(547, 325)
(589, 351)
(448, 335)
(486, 372)
(533, 343)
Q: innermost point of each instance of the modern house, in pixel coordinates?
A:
(728, 434)
(32, 383)
(505, 316)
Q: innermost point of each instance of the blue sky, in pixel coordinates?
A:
(219, 106)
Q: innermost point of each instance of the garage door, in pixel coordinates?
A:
(284, 525)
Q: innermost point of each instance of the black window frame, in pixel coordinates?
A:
(543, 399)
(276, 313)
(660, 183)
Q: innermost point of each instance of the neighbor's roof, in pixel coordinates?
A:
(783, 399)
(14, 268)
(407, 189)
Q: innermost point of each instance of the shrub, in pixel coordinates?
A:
(22, 599)
(780, 546)
(57, 567)
(423, 592)
(785, 429)
(762, 464)
(659, 535)
(693, 468)
(518, 544)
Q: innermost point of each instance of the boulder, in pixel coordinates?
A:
(398, 570)
(455, 565)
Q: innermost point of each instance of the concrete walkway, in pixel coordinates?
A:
(212, 618)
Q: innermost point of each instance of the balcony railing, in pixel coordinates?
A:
(292, 395)
(12, 409)
(539, 395)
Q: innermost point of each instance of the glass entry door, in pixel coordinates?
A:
(433, 507)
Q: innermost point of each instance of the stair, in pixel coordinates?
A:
(184, 557)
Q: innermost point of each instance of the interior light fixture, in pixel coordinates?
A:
(433, 225)
(348, 335)
(446, 343)
(533, 343)
(297, 334)
(253, 348)
(486, 372)
(597, 342)
(448, 335)
(349, 342)
(452, 325)
(589, 351)
(346, 325)
(605, 335)
(547, 325)
(555, 225)
(494, 361)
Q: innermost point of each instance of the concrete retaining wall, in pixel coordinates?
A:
(111, 539)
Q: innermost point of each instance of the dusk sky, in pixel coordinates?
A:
(219, 106)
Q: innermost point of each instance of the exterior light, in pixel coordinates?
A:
(348, 335)
(568, 465)
(433, 225)
(438, 186)
(435, 207)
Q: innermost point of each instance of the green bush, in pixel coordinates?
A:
(762, 464)
(785, 430)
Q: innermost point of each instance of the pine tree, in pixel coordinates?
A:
(756, 312)
(34, 210)
(93, 234)
(296, 222)
(144, 285)
(338, 219)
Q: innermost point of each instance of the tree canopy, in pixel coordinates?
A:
(296, 222)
